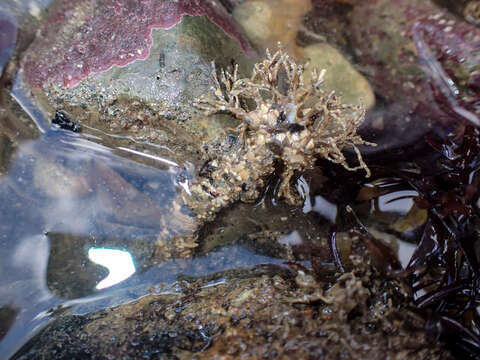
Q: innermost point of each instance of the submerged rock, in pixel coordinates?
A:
(341, 76)
(257, 314)
(211, 163)
(327, 21)
(143, 108)
(421, 58)
(153, 100)
(298, 124)
(471, 12)
(267, 22)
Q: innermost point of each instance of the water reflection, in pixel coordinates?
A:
(67, 203)
(79, 227)
(316, 203)
(397, 201)
(118, 262)
(325, 208)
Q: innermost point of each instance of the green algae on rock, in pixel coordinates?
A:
(286, 123)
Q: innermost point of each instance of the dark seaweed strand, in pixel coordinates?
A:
(444, 270)
(334, 250)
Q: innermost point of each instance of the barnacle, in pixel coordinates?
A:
(282, 119)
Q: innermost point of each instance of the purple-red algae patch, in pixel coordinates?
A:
(90, 36)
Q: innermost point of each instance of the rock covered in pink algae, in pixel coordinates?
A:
(90, 36)
(420, 57)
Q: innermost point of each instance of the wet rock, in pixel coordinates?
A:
(152, 100)
(255, 16)
(26, 16)
(6, 151)
(283, 315)
(230, 4)
(25, 10)
(341, 76)
(161, 88)
(148, 100)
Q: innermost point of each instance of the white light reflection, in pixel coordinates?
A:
(398, 201)
(325, 208)
(293, 238)
(405, 252)
(118, 262)
(153, 157)
(304, 191)
(185, 187)
(27, 103)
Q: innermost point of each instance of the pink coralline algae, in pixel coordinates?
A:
(90, 36)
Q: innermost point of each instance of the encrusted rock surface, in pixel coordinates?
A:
(277, 313)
